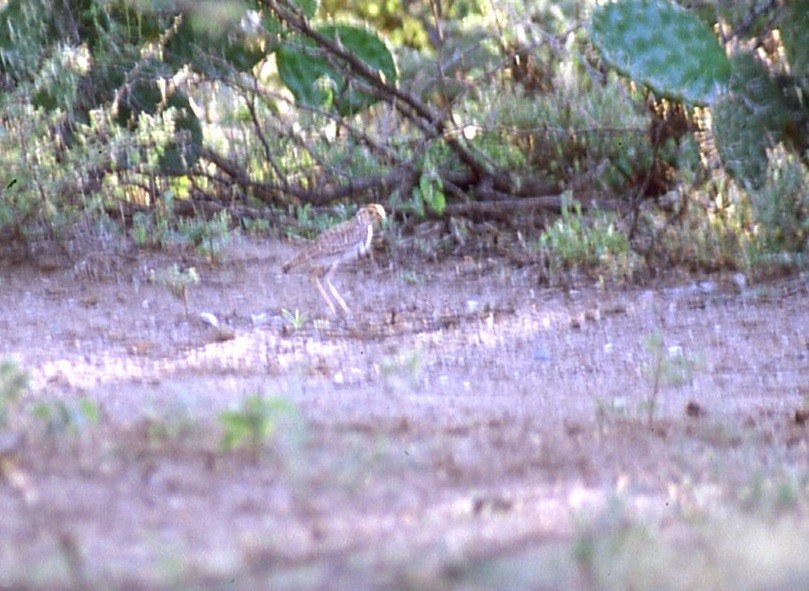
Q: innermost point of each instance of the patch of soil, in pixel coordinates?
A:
(463, 411)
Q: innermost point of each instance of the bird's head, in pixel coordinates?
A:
(372, 213)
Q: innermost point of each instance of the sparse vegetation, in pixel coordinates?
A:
(177, 280)
(670, 367)
(161, 228)
(449, 423)
(13, 383)
(209, 237)
(507, 107)
(295, 320)
(309, 223)
(67, 417)
(782, 214)
(254, 421)
(593, 244)
(167, 423)
(647, 554)
(401, 372)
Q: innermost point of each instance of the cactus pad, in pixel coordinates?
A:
(662, 46)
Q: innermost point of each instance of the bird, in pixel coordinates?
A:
(339, 244)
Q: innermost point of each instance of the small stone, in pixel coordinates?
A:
(694, 409)
(209, 319)
(541, 354)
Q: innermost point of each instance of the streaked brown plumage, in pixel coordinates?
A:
(343, 243)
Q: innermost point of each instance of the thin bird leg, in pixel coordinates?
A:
(334, 291)
(323, 293)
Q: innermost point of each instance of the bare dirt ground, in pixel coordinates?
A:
(466, 428)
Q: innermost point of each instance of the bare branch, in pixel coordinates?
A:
(327, 194)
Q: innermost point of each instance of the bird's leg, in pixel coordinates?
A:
(334, 291)
(323, 293)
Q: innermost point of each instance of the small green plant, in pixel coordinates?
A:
(609, 409)
(402, 372)
(60, 416)
(13, 383)
(295, 320)
(142, 226)
(177, 280)
(209, 237)
(594, 243)
(256, 226)
(603, 533)
(782, 204)
(669, 367)
(171, 423)
(154, 228)
(253, 422)
(430, 191)
(161, 228)
(425, 196)
(410, 277)
(771, 495)
(309, 224)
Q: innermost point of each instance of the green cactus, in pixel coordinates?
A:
(662, 46)
(671, 51)
(750, 118)
(315, 80)
(794, 28)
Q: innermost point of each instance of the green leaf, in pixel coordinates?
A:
(432, 192)
(308, 7)
(89, 408)
(315, 80)
(254, 421)
(213, 36)
(663, 46)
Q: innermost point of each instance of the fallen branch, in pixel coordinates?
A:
(499, 206)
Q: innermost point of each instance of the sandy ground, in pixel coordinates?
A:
(464, 415)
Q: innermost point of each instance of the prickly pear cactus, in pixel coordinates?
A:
(315, 81)
(750, 118)
(662, 46)
(794, 28)
(757, 113)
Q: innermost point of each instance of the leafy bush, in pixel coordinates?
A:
(782, 205)
(592, 245)
(141, 112)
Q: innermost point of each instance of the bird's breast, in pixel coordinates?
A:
(369, 234)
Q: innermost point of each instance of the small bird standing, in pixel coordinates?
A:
(343, 243)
